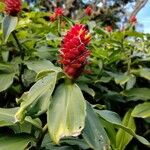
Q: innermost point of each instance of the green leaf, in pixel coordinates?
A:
(123, 138)
(131, 82)
(6, 80)
(9, 24)
(137, 94)
(7, 118)
(36, 100)
(41, 66)
(85, 88)
(120, 78)
(94, 133)
(143, 72)
(141, 110)
(66, 114)
(75, 141)
(48, 144)
(115, 120)
(109, 115)
(15, 142)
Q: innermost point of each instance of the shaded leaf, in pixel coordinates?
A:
(114, 119)
(137, 94)
(94, 133)
(15, 142)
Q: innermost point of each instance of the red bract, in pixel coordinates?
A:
(109, 28)
(52, 17)
(12, 7)
(88, 11)
(73, 52)
(133, 19)
(59, 11)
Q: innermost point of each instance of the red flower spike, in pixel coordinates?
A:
(109, 28)
(59, 11)
(13, 7)
(73, 52)
(133, 20)
(88, 11)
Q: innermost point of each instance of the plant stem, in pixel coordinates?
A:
(22, 53)
(41, 137)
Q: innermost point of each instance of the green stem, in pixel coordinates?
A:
(22, 54)
(41, 137)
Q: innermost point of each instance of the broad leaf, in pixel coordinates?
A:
(114, 119)
(7, 118)
(94, 133)
(16, 142)
(41, 65)
(9, 24)
(143, 72)
(123, 138)
(48, 144)
(142, 110)
(37, 99)
(137, 94)
(66, 114)
(85, 88)
(6, 80)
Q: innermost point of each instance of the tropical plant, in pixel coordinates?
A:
(71, 84)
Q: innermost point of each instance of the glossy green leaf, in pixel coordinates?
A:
(15, 142)
(137, 94)
(94, 133)
(36, 100)
(114, 119)
(6, 80)
(66, 114)
(9, 24)
(142, 110)
(123, 138)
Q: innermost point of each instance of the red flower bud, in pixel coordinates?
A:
(109, 29)
(133, 19)
(59, 11)
(13, 7)
(88, 11)
(73, 51)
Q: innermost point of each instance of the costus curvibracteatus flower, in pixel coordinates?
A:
(12, 7)
(73, 52)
